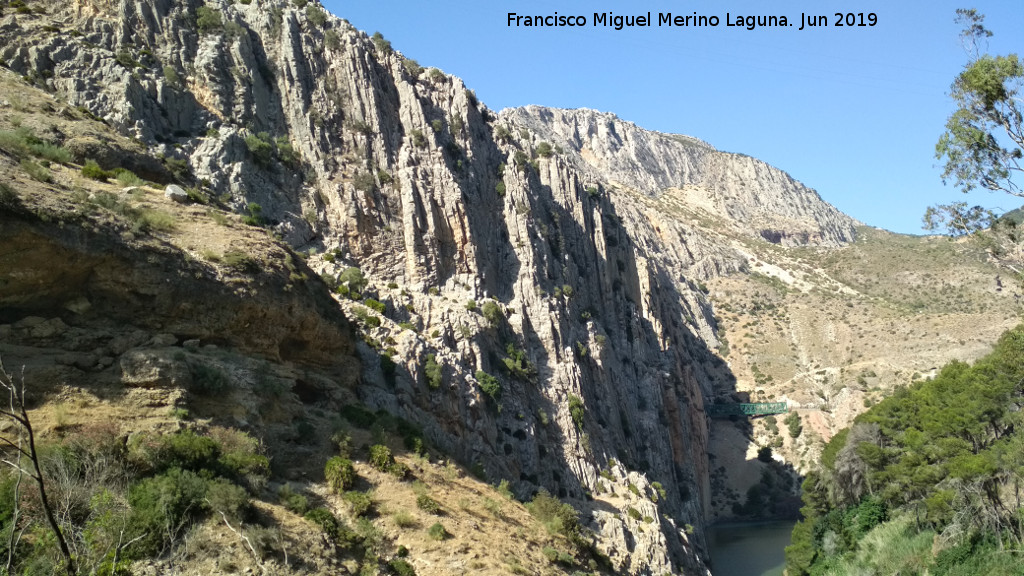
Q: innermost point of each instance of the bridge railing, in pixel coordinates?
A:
(746, 409)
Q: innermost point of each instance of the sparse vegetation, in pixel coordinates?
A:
(209, 19)
(412, 68)
(432, 370)
(316, 16)
(492, 312)
(489, 384)
(93, 171)
(438, 532)
(36, 171)
(381, 457)
(576, 410)
(427, 504)
(340, 474)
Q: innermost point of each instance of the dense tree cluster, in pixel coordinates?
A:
(941, 461)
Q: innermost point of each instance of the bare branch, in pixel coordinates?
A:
(244, 538)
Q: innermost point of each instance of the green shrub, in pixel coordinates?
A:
(379, 307)
(360, 502)
(50, 152)
(517, 364)
(492, 312)
(388, 368)
(412, 67)
(401, 567)
(125, 58)
(332, 39)
(285, 151)
(576, 410)
(659, 489)
(438, 532)
(436, 126)
(500, 188)
(365, 317)
(340, 474)
(224, 496)
(456, 125)
(557, 517)
(242, 457)
(326, 520)
(404, 519)
(522, 161)
(433, 371)
(316, 16)
(171, 76)
(354, 278)
(128, 178)
(208, 380)
(418, 140)
(489, 384)
(241, 262)
(381, 457)
(399, 470)
(16, 142)
(93, 171)
(255, 216)
(209, 19)
(427, 504)
(293, 501)
(173, 498)
(544, 150)
(381, 44)
(36, 171)
(471, 305)
(504, 489)
(795, 426)
(358, 416)
(764, 454)
(260, 147)
(153, 221)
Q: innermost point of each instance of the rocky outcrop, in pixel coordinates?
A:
(750, 195)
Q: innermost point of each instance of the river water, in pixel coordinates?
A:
(749, 549)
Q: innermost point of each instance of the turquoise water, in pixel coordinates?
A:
(756, 549)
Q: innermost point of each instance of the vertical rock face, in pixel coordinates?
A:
(601, 343)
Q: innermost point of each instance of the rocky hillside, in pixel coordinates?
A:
(748, 195)
(535, 291)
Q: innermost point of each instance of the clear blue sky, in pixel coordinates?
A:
(852, 112)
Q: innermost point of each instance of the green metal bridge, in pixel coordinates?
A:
(756, 409)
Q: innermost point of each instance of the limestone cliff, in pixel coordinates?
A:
(751, 196)
(551, 268)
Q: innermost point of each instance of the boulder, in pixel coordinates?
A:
(176, 193)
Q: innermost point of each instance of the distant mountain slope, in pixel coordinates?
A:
(750, 195)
